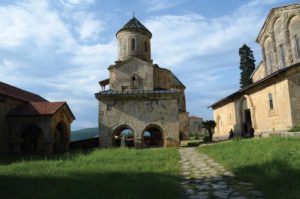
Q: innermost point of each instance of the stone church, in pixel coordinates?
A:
(271, 104)
(31, 124)
(145, 104)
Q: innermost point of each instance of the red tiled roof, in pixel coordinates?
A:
(37, 108)
(17, 93)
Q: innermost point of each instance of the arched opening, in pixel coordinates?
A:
(269, 55)
(134, 82)
(153, 137)
(246, 119)
(294, 33)
(32, 139)
(123, 136)
(60, 138)
(132, 44)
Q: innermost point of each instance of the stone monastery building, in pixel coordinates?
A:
(271, 104)
(145, 104)
(31, 124)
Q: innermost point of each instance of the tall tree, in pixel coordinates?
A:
(247, 65)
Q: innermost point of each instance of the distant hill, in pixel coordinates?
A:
(84, 134)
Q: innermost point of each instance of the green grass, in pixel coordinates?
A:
(115, 173)
(271, 164)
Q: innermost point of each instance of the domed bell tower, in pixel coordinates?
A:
(134, 41)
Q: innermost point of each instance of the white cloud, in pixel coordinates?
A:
(192, 35)
(158, 5)
(39, 52)
(53, 49)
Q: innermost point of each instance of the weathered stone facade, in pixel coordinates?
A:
(143, 98)
(271, 103)
(196, 125)
(31, 124)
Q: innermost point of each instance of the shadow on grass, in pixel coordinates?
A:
(92, 185)
(13, 158)
(275, 178)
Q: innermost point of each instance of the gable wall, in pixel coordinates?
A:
(121, 75)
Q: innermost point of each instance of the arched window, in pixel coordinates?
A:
(134, 82)
(146, 46)
(271, 101)
(132, 44)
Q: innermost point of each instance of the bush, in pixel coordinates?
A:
(295, 129)
(206, 139)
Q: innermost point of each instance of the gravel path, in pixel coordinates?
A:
(203, 178)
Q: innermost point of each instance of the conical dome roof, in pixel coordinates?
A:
(135, 24)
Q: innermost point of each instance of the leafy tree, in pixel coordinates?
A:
(209, 125)
(247, 65)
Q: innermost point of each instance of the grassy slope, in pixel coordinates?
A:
(272, 164)
(117, 173)
(83, 134)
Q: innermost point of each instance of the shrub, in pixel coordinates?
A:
(206, 139)
(295, 129)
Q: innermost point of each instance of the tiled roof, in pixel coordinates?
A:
(110, 92)
(17, 93)
(37, 108)
(134, 23)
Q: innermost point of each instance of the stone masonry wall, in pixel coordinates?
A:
(138, 114)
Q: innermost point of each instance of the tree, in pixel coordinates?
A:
(209, 125)
(247, 65)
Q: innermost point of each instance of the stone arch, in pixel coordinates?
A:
(123, 135)
(247, 115)
(153, 136)
(61, 137)
(32, 139)
(293, 27)
(219, 125)
(269, 54)
(280, 41)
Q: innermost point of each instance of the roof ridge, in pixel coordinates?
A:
(18, 93)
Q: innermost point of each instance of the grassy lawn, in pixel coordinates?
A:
(271, 164)
(115, 173)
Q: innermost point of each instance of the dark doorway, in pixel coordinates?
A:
(32, 137)
(60, 138)
(152, 137)
(125, 133)
(247, 122)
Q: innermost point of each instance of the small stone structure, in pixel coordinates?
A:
(195, 125)
(31, 124)
(145, 103)
(271, 104)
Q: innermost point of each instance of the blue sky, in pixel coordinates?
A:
(60, 49)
